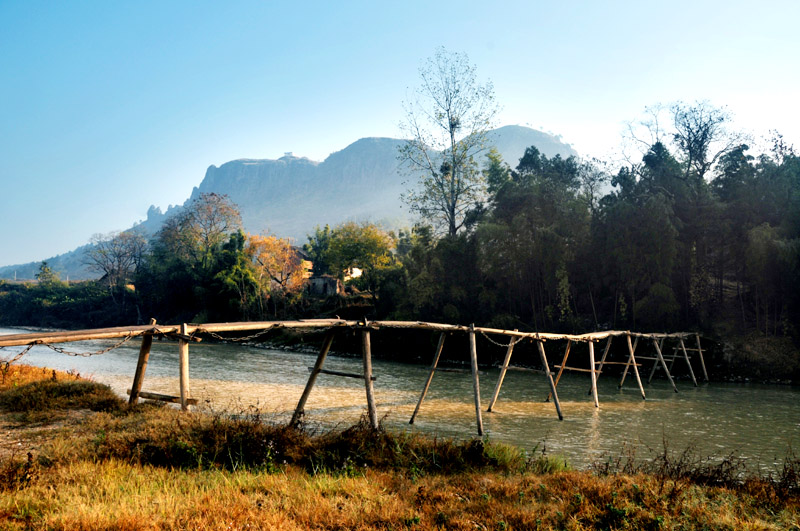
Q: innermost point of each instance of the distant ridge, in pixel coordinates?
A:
(291, 195)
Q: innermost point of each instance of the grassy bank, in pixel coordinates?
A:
(79, 458)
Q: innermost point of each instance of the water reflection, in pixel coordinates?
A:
(754, 421)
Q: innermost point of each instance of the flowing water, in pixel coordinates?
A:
(756, 422)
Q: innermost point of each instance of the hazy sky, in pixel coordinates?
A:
(109, 107)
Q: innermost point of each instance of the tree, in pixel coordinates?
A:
(116, 255)
(278, 267)
(447, 124)
(201, 228)
(46, 276)
(360, 245)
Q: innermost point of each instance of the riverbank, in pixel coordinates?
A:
(81, 458)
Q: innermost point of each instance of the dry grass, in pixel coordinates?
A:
(152, 467)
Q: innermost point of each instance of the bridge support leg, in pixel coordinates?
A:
(141, 365)
(688, 363)
(594, 374)
(560, 369)
(632, 360)
(312, 378)
(502, 376)
(183, 348)
(436, 356)
(549, 376)
(702, 361)
(473, 355)
(603, 359)
(664, 363)
(367, 354)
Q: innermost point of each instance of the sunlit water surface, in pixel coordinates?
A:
(756, 422)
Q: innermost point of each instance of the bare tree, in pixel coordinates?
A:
(701, 135)
(116, 255)
(447, 123)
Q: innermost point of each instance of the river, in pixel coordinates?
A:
(753, 421)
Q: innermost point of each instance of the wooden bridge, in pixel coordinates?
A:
(184, 334)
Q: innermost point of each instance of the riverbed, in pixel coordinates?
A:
(753, 421)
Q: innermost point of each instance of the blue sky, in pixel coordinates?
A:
(109, 107)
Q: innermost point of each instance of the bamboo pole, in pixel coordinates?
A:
(476, 389)
(183, 349)
(299, 411)
(603, 359)
(702, 361)
(594, 374)
(435, 362)
(635, 366)
(503, 371)
(688, 363)
(141, 365)
(367, 354)
(664, 363)
(549, 376)
(655, 363)
(560, 369)
(630, 357)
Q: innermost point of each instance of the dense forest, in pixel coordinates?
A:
(683, 238)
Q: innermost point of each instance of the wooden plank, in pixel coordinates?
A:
(141, 365)
(147, 395)
(476, 388)
(13, 340)
(577, 369)
(299, 411)
(524, 369)
(340, 373)
(435, 362)
(372, 410)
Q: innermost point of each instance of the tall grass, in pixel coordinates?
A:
(153, 467)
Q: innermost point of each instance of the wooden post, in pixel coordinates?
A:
(702, 361)
(688, 363)
(141, 365)
(603, 359)
(436, 356)
(476, 389)
(183, 348)
(659, 357)
(630, 357)
(594, 374)
(367, 353)
(323, 353)
(560, 369)
(549, 376)
(503, 370)
(664, 364)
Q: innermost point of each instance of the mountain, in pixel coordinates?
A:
(290, 196)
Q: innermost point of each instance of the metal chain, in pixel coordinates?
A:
(61, 350)
(513, 341)
(234, 339)
(4, 365)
